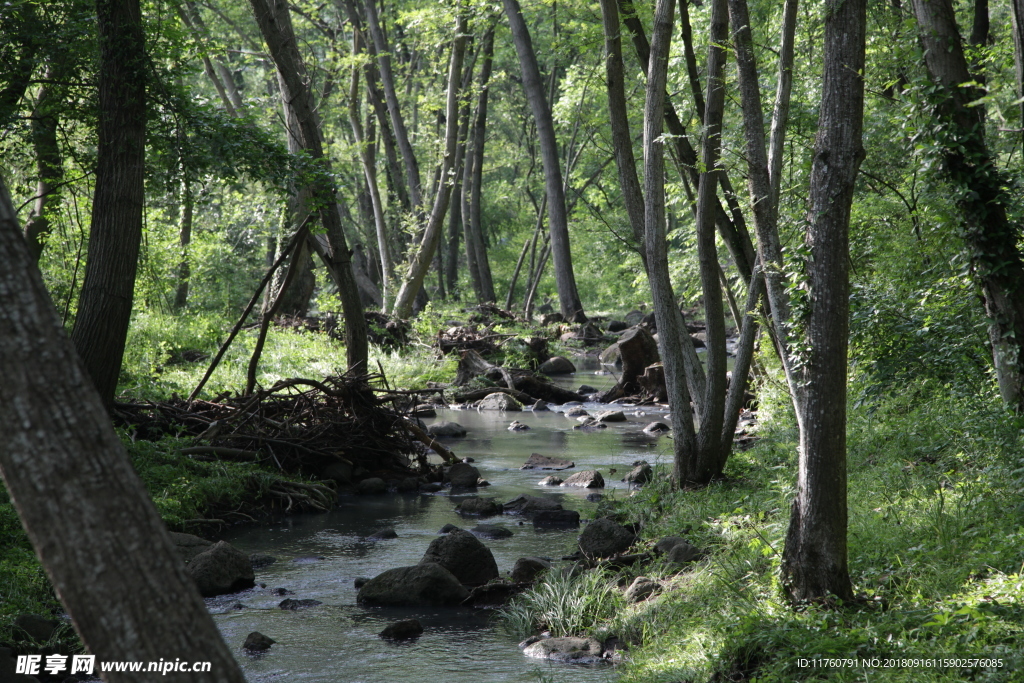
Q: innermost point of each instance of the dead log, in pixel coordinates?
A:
(529, 384)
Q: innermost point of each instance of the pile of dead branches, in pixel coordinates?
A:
(465, 338)
(299, 426)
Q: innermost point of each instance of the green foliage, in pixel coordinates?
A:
(936, 530)
(565, 602)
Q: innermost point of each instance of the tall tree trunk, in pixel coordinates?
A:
(369, 166)
(814, 562)
(565, 278)
(1017, 7)
(49, 166)
(980, 194)
(711, 409)
(83, 506)
(387, 79)
(671, 326)
(476, 165)
(105, 305)
(275, 24)
(431, 234)
(185, 217)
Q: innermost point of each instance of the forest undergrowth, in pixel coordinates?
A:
(936, 551)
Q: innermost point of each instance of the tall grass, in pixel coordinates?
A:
(565, 602)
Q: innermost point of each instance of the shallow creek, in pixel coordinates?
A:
(319, 557)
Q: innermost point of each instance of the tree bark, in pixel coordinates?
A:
(105, 305)
(185, 217)
(275, 24)
(94, 527)
(49, 167)
(431, 234)
(565, 278)
(474, 227)
(814, 562)
(671, 327)
(1017, 8)
(412, 168)
(979, 191)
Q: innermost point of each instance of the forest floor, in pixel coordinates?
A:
(936, 542)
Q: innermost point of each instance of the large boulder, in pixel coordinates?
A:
(188, 546)
(462, 553)
(545, 462)
(462, 476)
(557, 365)
(570, 650)
(530, 505)
(604, 538)
(527, 569)
(590, 479)
(221, 569)
(257, 642)
(611, 356)
(612, 416)
(556, 519)
(499, 401)
(444, 428)
(425, 584)
(551, 480)
(491, 531)
(482, 507)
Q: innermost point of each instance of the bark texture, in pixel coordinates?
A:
(558, 219)
(814, 562)
(88, 515)
(274, 21)
(105, 305)
(990, 234)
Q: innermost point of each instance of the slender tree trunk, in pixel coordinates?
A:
(814, 562)
(979, 191)
(275, 24)
(558, 220)
(83, 506)
(476, 165)
(105, 305)
(1017, 8)
(432, 233)
(369, 165)
(412, 168)
(49, 167)
(671, 327)
(184, 240)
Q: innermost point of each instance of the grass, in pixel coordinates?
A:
(936, 547)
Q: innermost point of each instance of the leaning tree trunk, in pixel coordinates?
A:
(565, 279)
(979, 190)
(275, 24)
(432, 233)
(87, 513)
(814, 562)
(105, 305)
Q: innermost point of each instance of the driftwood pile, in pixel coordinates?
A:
(298, 426)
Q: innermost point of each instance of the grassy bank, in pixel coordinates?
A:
(936, 547)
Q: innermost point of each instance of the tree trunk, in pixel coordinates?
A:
(369, 165)
(1017, 7)
(476, 166)
(275, 24)
(671, 327)
(711, 409)
(184, 240)
(49, 167)
(565, 278)
(814, 562)
(412, 168)
(105, 305)
(432, 233)
(95, 529)
(980, 194)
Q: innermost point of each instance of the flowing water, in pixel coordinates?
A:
(320, 556)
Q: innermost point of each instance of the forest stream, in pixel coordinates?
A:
(320, 556)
